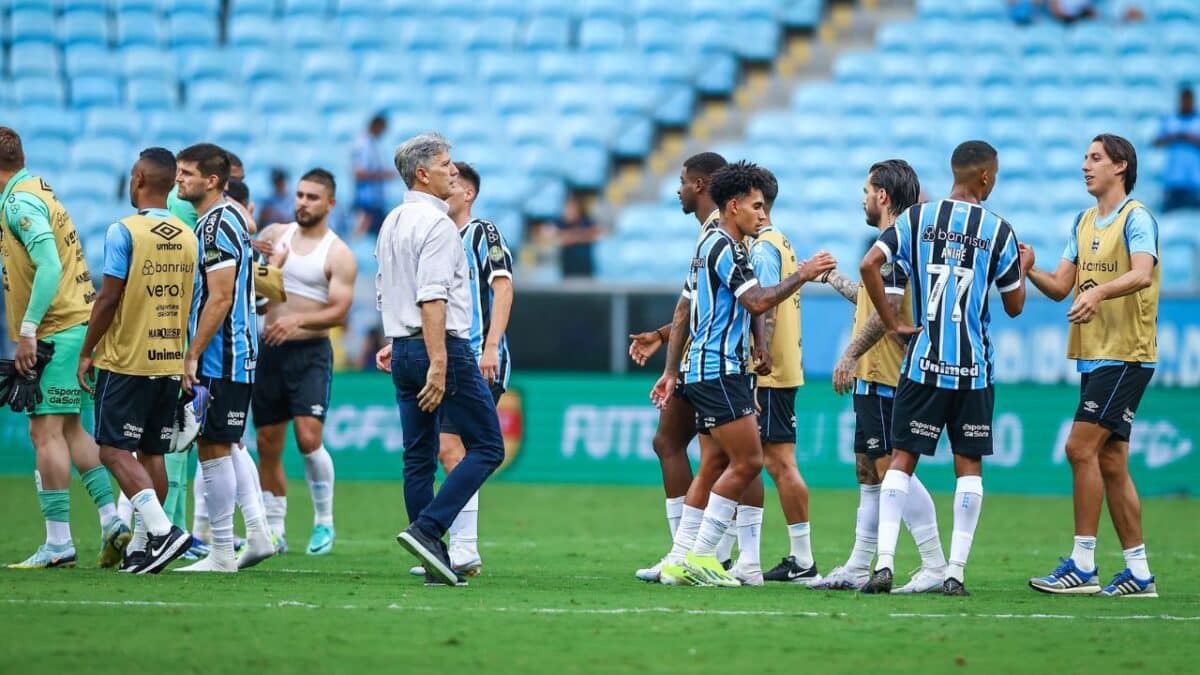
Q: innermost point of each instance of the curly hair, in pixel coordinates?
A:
(737, 180)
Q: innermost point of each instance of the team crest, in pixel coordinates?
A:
(25, 223)
(885, 269)
(496, 253)
(1095, 244)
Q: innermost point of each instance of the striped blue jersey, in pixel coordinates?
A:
(488, 258)
(953, 252)
(225, 243)
(720, 326)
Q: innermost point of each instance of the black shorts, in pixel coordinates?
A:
(447, 425)
(921, 411)
(228, 406)
(777, 414)
(135, 412)
(873, 425)
(1109, 396)
(720, 401)
(292, 380)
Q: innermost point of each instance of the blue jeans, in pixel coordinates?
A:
(468, 403)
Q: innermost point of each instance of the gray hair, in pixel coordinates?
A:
(418, 152)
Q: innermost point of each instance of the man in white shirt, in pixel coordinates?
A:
(423, 291)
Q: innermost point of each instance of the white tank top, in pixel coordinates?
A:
(304, 275)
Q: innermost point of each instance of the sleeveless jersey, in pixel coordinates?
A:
(786, 347)
(304, 275)
(881, 364)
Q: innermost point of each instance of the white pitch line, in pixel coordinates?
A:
(297, 604)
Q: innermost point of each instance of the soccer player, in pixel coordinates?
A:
(677, 419)
(774, 259)
(714, 370)
(490, 264)
(870, 369)
(222, 352)
(48, 294)
(137, 342)
(1111, 265)
(295, 365)
(953, 250)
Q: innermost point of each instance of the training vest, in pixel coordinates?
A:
(786, 350)
(148, 335)
(304, 275)
(881, 363)
(1126, 328)
(72, 303)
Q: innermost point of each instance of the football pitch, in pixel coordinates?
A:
(558, 595)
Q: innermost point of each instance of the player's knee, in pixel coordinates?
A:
(308, 440)
(1113, 466)
(44, 435)
(1079, 452)
(665, 446)
(748, 467)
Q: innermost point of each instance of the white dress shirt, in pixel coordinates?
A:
(421, 258)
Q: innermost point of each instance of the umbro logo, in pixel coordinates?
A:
(1087, 285)
(1091, 406)
(166, 230)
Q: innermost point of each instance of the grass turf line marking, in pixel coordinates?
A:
(297, 604)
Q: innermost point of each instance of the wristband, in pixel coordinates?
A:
(658, 332)
(824, 278)
(28, 329)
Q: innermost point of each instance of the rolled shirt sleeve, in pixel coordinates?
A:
(435, 261)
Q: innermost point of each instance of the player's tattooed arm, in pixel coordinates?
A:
(844, 285)
(872, 331)
(664, 389)
(757, 299)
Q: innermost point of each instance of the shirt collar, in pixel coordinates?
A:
(711, 217)
(414, 196)
(1108, 220)
(157, 213)
(220, 202)
(21, 175)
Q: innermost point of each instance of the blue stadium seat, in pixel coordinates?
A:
(1179, 38)
(83, 28)
(1091, 70)
(528, 129)
(501, 68)
(544, 203)
(260, 66)
(938, 9)
(365, 35)
(91, 92)
(1133, 39)
(618, 10)
(620, 68)
(535, 7)
(316, 8)
(1180, 268)
(297, 127)
(1042, 38)
(208, 65)
(427, 36)
(1002, 102)
(1177, 11)
(86, 185)
(326, 66)
(772, 128)
(718, 75)
(89, 60)
(944, 70)
(343, 127)
(588, 168)
(233, 130)
(658, 34)
(384, 67)
(110, 155)
(814, 97)
(898, 37)
(45, 155)
(441, 67)
(258, 8)
(1143, 70)
(767, 36)
(1043, 71)
(668, 68)
(858, 99)
(192, 29)
(138, 29)
(510, 98)
(49, 123)
(366, 9)
(496, 34)
(137, 62)
(252, 31)
(31, 25)
(941, 36)
(208, 7)
(134, 6)
(635, 140)
(37, 91)
(802, 13)
(546, 33)
(33, 59)
(901, 70)
(112, 123)
(597, 35)
(913, 129)
(214, 95)
(1088, 38)
(992, 70)
(273, 97)
(555, 67)
(148, 94)
(307, 33)
(333, 97)
(403, 98)
(858, 68)
(454, 99)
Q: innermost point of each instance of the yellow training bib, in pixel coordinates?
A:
(786, 347)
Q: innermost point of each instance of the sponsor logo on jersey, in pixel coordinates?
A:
(944, 368)
(164, 333)
(164, 290)
(163, 355)
(977, 430)
(873, 443)
(150, 267)
(131, 431)
(919, 428)
(934, 234)
(1098, 266)
(1087, 285)
(166, 230)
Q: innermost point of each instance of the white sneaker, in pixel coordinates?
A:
(747, 574)
(651, 574)
(924, 581)
(258, 548)
(465, 560)
(843, 579)
(214, 562)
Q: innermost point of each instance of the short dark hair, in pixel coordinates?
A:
(736, 180)
(278, 175)
(12, 155)
(1119, 149)
(238, 192)
(319, 175)
(234, 160)
(971, 154)
(898, 181)
(211, 160)
(469, 173)
(377, 118)
(705, 163)
(162, 168)
(770, 188)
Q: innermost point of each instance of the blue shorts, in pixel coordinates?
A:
(720, 401)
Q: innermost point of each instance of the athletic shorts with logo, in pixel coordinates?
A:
(719, 401)
(447, 425)
(61, 394)
(921, 412)
(228, 407)
(1110, 395)
(292, 380)
(873, 425)
(777, 414)
(135, 412)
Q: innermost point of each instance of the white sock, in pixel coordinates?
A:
(1135, 560)
(674, 513)
(685, 535)
(125, 509)
(725, 548)
(1084, 554)
(318, 471)
(138, 542)
(801, 536)
(464, 531)
(200, 525)
(58, 533)
(968, 501)
(893, 493)
(248, 498)
(749, 535)
(220, 483)
(920, 516)
(276, 513)
(107, 513)
(717, 518)
(866, 529)
(147, 506)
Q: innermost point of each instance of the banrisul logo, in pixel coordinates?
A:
(166, 230)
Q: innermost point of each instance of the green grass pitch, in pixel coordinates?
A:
(558, 595)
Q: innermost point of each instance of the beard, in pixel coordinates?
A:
(308, 221)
